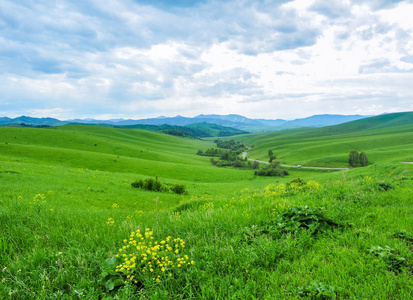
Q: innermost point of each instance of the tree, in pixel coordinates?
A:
(353, 158)
(275, 164)
(256, 165)
(363, 159)
(270, 153)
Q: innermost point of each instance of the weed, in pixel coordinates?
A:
(251, 234)
(393, 261)
(403, 235)
(317, 290)
(305, 218)
(384, 187)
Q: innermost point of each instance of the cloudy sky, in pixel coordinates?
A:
(261, 59)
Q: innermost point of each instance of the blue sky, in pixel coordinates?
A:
(261, 59)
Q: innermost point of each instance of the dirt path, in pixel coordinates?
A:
(407, 162)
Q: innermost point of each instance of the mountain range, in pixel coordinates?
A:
(235, 121)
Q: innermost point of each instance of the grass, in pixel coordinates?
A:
(67, 207)
(385, 138)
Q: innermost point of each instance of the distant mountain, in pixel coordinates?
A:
(234, 121)
(32, 121)
(325, 120)
(196, 130)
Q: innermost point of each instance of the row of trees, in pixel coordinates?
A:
(237, 163)
(232, 145)
(354, 158)
(210, 152)
(156, 186)
(273, 169)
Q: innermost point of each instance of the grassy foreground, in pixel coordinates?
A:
(65, 229)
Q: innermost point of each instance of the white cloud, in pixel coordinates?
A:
(125, 59)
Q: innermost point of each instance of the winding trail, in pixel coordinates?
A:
(403, 162)
(244, 155)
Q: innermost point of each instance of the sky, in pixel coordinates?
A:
(261, 59)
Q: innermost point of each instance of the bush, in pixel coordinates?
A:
(384, 187)
(156, 186)
(353, 158)
(179, 189)
(364, 161)
(272, 170)
(305, 218)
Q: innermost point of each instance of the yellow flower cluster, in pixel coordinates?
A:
(277, 190)
(279, 207)
(110, 222)
(146, 259)
(228, 206)
(207, 206)
(367, 179)
(274, 190)
(115, 205)
(313, 185)
(176, 215)
(200, 198)
(38, 200)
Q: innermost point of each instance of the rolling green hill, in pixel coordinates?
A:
(384, 138)
(196, 130)
(72, 227)
(127, 153)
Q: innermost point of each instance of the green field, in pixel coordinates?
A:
(67, 208)
(387, 138)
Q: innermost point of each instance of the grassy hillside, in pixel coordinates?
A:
(69, 219)
(125, 153)
(384, 138)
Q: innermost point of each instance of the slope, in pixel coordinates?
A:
(384, 138)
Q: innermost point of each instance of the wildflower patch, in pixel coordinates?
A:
(146, 261)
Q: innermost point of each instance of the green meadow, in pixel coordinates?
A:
(386, 138)
(73, 227)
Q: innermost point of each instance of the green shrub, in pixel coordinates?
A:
(305, 218)
(393, 261)
(403, 235)
(271, 172)
(296, 183)
(179, 189)
(150, 185)
(385, 187)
